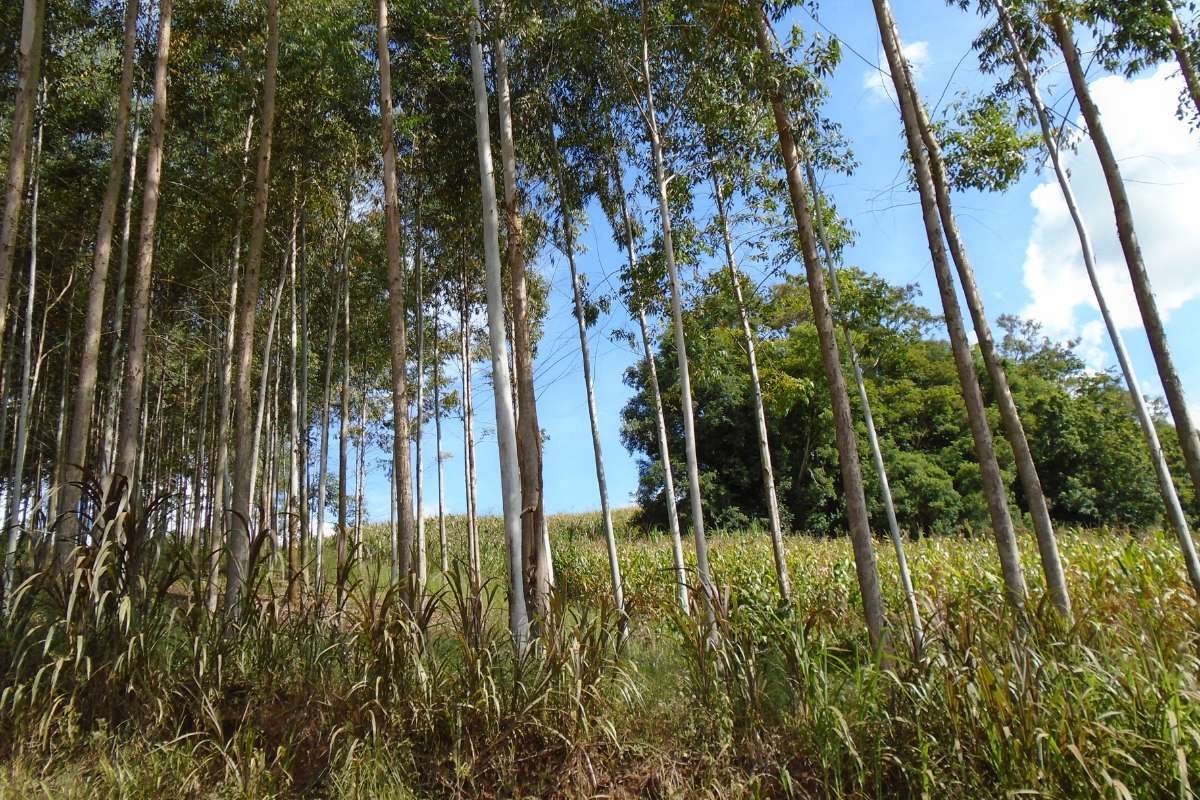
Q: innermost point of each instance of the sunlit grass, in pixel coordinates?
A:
(149, 697)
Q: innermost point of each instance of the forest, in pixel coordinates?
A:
(260, 258)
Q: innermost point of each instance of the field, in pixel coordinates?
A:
(151, 698)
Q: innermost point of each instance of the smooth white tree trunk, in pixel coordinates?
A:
(510, 477)
(1162, 471)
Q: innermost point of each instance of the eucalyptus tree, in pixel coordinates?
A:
(396, 300)
(16, 484)
(775, 86)
(885, 489)
(1014, 430)
(29, 59)
(535, 557)
(642, 81)
(129, 432)
(510, 477)
(1007, 44)
(582, 313)
(1189, 438)
(238, 544)
(760, 416)
(993, 483)
(638, 297)
(75, 456)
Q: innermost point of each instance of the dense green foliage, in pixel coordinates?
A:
(1085, 438)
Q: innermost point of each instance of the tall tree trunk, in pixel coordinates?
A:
(129, 430)
(885, 489)
(1031, 483)
(360, 450)
(681, 588)
(529, 434)
(243, 487)
(200, 455)
(343, 446)
(468, 440)
(1183, 56)
(760, 414)
(685, 380)
(443, 560)
(29, 62)
(1165, 482)
(221, 479)
(847, 445)
(303, 447)
(292, 510)
(568, 246)
(323, 449)
(76, 460)
(270, 366)
(421, 554)
(1189, 441)
(396, 313)
(993, 483)
(116, 364)
(12, 522)
(506, 435)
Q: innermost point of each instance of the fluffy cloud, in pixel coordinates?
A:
(1160, 161)
(878, 83)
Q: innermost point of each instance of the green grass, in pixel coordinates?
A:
(149, 698)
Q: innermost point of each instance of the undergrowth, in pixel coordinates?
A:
(114, 682)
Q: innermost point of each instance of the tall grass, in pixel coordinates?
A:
(128, 689)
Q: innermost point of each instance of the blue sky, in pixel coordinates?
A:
(1025, 254)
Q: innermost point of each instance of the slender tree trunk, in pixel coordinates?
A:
(343, 447)
(303, 447)
(1183, 56)
(681, 589)
(294, 452)
(468, 441)
(760, 414)
(244, 454)
(885, 489)
(116, 368)
(392, 538)
(568, 245)
(396, 312)
(847, 445)
(444, 561)
(993, 483)
(422, 565)
(200, 453)
(75, 462)
(1189, 441)
(359, 459)
(221, 479)
(1027, 473)
(506, 435)
(529, 434)
(323, 450)
(60, 441)
(1162, 471)
(130, 430)
(16, 493)
(29, 61)
(269, 366)
(685, 381)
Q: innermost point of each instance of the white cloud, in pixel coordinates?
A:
(1160, 161)
(878, 82)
